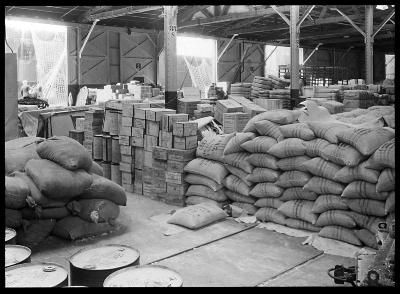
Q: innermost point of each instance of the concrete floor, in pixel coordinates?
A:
(223, 254)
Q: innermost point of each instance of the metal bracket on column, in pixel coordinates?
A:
(350, 21)
(305, 15)
(387, 18)
(312, 53)
(151, 40)
(87, 38)
(392, 21)
(281, 14)
(226, 47)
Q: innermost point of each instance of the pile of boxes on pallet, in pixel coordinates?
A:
(268, 92)
(226, 106)
(140, 91)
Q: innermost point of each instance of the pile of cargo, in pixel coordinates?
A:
(241, 89)
(353, 99)
(53, 187)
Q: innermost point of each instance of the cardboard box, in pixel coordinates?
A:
(141, 112)
(184, 129)
(155, 114)
(125, 131)
(174, 178)
(127, 178)
(165, 139)
(127, 121)
(150, 142)
(139, 157)
(185, 143)
(160, 153)
(181, 155)
(168, 120)
(159, 164)
(152, 128)
(139, 123)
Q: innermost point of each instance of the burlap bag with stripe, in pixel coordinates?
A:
(268, 202)
(324, 186)
(386, 180)
(297, 130)
(262, 190)
(327, 130)
(269, 214)
(342, 154)
(239, 160)
(268, 128)
(322, 168)
(300, 209)
(361, 189)
(383, 157)
(263, 160)
(349, 174)
(300, 224)
(263, 174)
(293, 163)
(314, 147)
(204, 191)
(329, 202)
(341, 234)
(236, 197)
(235, 184)
(335, 218)
(298, 193)
(293, 178)
(233, 145)
(288, 147)
(260, 144)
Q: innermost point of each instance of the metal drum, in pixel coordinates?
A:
(144, 276)
(107, 145)
(90, 267)
(116, 173)
(37, 274)
(98, 147)
(17, 254)
(106, 169)
(11, 236)
(116, 151)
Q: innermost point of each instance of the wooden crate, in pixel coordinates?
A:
(181, 155)
(138, 187)
(139, 157)
(137, 141)
(125, 131)
(160, 153)
(140, 113)
(128, 109)
(127, 150)
(152, 128)
(150, 142)
(174, 178)
(126, 167)
(187, 105)
(184, 129)
(139, 123)
(138, 132)
(168, 120)
(165, 139)
(205, 107)
(128, 188)
(235, 122)
(125, 140)
(155, 114)
(185, 143)
(159, 164)
(177, 189)
(148, 159)
(128, 159)
(138, 175)
(176, 166)
(127, 121)
(127, 178)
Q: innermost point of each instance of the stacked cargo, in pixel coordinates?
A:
(188, 106)
(260, 84)
(140, 91)
(241, 89)
(282, 95)
(93, 125)
(248, 106)
(203, 110)
(226, 106)
(234, 122)
(353, 99)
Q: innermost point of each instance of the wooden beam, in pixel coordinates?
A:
(383, 23)
(323, 12)
(284, 17)
(304, 16)
(121, 12)
(225, 9)
(350, 21)
(188, 14)
(217, 10)
(206, 12)
(231, 17)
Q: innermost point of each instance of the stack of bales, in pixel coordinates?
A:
(238, 183)
(205, 174)
(241, 89)
(260, 84)
(353, 99)
(55, 187)
(282, 95)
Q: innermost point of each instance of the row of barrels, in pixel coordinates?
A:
(105, 266)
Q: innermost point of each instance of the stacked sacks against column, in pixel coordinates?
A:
(297, 202)
(57, 183)
(266, 172)
(206, 173)
(237, 184)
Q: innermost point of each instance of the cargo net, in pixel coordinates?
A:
(51, 52)
(199, 73)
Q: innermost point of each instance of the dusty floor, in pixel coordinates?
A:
(223, 254)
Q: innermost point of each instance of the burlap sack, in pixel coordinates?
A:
(247, 207)
(212, 146)
(383, 157)
(288, 147)
(367, 238)
(297, 130)
(322, 168)
(269, 214)
(268, 202)
(16, 191)
(281, 116)
(236, 197)
(300, 209)
(239, 160)
(297, 193)
(390, 203)
(324, 186)
(300, 224)
(327, 130)
(367, 206)
(386, 180)
(335, 218)
(293, 163)
(263, 160)
(202, 180)
(204, 191)
(361, 189)
(96, 169)
(342, 154)
(96, 210)
(262, 190)
(349, 174)
(293, 178)
(234, 144)
(263, 174)
(329, 202)
(241, 174)
(341, 234)
(35, 232)
(268, 128)
(193, 200)
(314, 147)
(208, 168)
(260, 144)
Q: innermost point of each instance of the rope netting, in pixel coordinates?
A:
(199, 73)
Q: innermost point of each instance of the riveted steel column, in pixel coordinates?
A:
(369, 44)
(294, 54)
(170, 35)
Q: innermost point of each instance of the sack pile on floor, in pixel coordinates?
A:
(53, 186)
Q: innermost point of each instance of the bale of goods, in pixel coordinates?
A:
(367, 238)
(383, 157)
(357, 99)
(193, 200)
(202, 180)
(327, 130)
(197, 216)
(340, 233)
(212, 146)
(16, 191)
(269, 214)
(349, 174)
(390, 203)
(335, 218)
(18, 154)
(45, 213)
(298, 193)
(242, 89)
(342, 154)
(280, 116)
(322, 168)
(248, 208)
(260, 144)
(329, 202)
(55, 181)
(102, 188)
(241, 174)
(266, 189)
(235, 184)
(13, 218)
(367, 206)
(263, 174)
(263, 160)
(204, 167)
(293, 163)
(35, 232)
(293, 178)
(239, 160)
(300, 209)
(96, 169)
(66, 152)
(361, 189)
(237, 197)
(234, 144)
(268, 128)
(188, 106)
(204, 191)
(324, 186)
(300, 224)
(73, 228)
(288, 147)
(268, 202)
(95, 210)
(297, 130)
(366, 141)
(314, 147)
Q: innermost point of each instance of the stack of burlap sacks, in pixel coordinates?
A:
(53, 187)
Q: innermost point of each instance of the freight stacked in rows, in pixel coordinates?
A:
(93, 125)
(241, 89)
(53, 187)
(264, 92)
(203, 110)
(353, 99)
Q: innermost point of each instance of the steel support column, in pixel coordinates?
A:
(170, 34)
(294, 54)
(369, 49)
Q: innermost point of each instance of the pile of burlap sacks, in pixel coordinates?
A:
(326, 177)
(52, 186)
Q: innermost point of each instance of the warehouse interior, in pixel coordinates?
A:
(200, 146)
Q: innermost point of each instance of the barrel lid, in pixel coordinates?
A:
(107, 136)
(105, 257)
(144, 276)
(38, 274)
(98, 136)
(10, 233)
(15, 254)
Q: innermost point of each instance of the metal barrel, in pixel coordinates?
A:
(116, 151)
(11, 236)
(17, 254)
(36, 274)
(107, 145)
(106, 169)
(98, 147)
(116, 174)
(90, 267)
(144, 276)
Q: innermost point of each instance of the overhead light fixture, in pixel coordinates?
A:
(382, 7)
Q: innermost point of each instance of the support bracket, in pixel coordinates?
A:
(226, 47)
(87, 38)
(387, 18)
(281, 14)
(305, 15)
(350, 21)
(312, 53)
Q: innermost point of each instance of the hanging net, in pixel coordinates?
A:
(199, 71)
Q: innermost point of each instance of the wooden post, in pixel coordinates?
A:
(294, 54)
(170, 34)
(369, 44)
